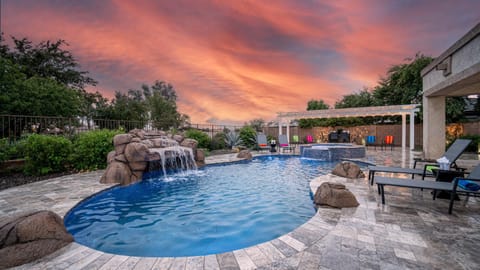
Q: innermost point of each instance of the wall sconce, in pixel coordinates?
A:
(446, 66)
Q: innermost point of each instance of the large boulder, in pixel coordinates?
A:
(335, 195)
(348, 169)
(191, 143)
(135, 152)
(28, 237)
(116, 172)
(244, 154)
(200, 156)
(178, 137)
(111, 156)
(120, 141)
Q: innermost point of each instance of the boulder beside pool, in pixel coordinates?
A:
(27, 237)
(245, 154)
(335, 195)
(348, 169)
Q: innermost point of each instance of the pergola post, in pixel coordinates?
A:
(288, 131)
(280, 124)
(404, 131)
(412, 131)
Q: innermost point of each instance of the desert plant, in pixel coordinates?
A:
(90, 149)
(46, 154)
(232, 139)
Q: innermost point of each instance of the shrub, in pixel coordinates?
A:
(202, 138)
(4, 149)
(90, 149)
(218, 141)
(46, 154)
(248, 136)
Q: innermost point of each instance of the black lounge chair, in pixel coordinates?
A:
(460, 185)
(452, 154)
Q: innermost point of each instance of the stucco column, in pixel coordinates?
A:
(280, 124)
(433, 126)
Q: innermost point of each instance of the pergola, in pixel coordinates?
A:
(403, 110)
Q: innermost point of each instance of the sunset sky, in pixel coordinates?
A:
(232, 61)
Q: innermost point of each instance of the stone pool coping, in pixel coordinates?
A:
(370, 236)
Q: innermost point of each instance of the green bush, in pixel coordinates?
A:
(90, 149)
(46, 154)
(218, 141)
(201, 137)
(248, 136)
(4, 149)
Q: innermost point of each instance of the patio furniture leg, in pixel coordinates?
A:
(382, 190)
(452, 199)
(371, 175)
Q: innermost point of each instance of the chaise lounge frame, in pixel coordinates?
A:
(452, 154)
(452, 187)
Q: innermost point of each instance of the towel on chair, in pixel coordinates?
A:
(468, 185)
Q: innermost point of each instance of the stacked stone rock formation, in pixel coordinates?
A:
(27, 237)
(133, 151)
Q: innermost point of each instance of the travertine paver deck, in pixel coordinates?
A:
(410, 231)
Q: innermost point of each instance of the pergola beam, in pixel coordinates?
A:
(403, 110)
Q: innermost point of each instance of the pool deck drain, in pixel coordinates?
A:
(410, 231)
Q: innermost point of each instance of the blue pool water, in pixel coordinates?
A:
(217, 209)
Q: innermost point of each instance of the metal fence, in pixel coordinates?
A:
(15, 126)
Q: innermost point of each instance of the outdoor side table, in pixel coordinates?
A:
(446, 176)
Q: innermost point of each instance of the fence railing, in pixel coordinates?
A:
(14, 126)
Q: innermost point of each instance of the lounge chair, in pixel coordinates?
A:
(295, 139)
(370, 141)
(283, 143)
(469, 186)
(388, 141)
(262, 142)
(452, 154)
(309, 138)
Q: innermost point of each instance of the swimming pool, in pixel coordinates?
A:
(216, 209)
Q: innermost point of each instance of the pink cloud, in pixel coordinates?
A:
(239, 60)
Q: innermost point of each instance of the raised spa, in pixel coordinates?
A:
(332, 151)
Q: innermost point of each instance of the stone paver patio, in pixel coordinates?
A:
(410, 232)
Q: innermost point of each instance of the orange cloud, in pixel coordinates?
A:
(239, 60)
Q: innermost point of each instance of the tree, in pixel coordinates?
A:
(455, 107)
(403, 84)
(314, 105)
(35, 95)
(361, 99)
(317, 105)
(48, 60)
(257, 124)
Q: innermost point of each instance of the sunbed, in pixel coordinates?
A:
(452, 154)
(283, 143)
(469, 186)
(262, 142)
